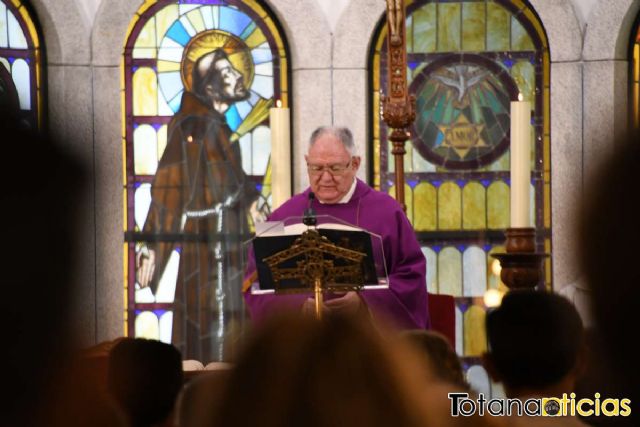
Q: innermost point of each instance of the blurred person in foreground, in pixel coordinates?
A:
(145, 377)
(41, 210)
(608, 247)
(340, 371)
(440, 359)
(536, 342)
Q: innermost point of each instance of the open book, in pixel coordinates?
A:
(279, 236)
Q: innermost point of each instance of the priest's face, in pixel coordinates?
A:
(331, 168)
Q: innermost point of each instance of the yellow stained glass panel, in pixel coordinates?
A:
(195, 18)
(425, 202)
(424, 29)
(474, 213)
(449, 206)
(145, 92)
(256, 38)
(449, 27)
(475, 337)
(164, 18)
(450, 272)
(498, 31)
(408, 199)
(147, 37)
(147, 326)
(473, 27)
(145, 150)
(494, 268)
(165, 66)
(498, 205)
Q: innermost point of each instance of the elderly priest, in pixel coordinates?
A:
(332, 166)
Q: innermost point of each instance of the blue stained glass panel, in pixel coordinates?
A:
(17, 39)
(205, 11)
(174, 104)
(233, 118)
(243, 108)
(253, 98)
(263, 86)
(178, 33)
(261, 54)
(170, 83)
(233, 20)
(170, 50)
(247, 32)
(184, 8)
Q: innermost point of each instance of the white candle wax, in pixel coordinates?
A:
(280, 155)
(520, 163)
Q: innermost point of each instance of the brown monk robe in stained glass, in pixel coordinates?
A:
(200, 201)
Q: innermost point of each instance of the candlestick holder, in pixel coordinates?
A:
(521, 265)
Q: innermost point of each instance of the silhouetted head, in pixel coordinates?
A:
(145, 377)
(535, 339)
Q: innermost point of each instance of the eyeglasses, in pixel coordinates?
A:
(335, 170)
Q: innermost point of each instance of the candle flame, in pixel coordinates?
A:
(520, 97)
(189, 138)
(279, 103)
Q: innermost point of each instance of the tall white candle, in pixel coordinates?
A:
(520, 162)
(280, 155)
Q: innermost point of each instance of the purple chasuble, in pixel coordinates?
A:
(404, 304)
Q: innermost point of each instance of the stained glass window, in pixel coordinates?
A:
(20, 62)
(635, 74)
(466, 61)
(172, 43)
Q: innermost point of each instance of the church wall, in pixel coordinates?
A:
(329, 81)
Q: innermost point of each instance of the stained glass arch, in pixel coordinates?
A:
(21, 59)
(204, 73)
(466, 61)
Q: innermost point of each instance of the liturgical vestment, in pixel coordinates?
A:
(404, 303)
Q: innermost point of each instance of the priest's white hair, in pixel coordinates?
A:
(343, 134)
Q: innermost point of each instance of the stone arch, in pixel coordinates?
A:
(65, 32)
(608, 30)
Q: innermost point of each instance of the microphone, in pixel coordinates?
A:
(309, 217)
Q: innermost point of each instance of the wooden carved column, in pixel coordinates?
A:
(398, 107)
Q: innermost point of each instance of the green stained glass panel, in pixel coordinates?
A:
(449, 30)
(474, 263)
(473, 207)
(524, 74)
(520, 39)
(498, 205)
(449, 212)
(450, 272)
(473, 27)
(498, 34)
(475, 337)
(425, 198)
(409, 33)
(424, 29)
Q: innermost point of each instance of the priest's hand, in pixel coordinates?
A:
(145, 266)
(350, 303)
